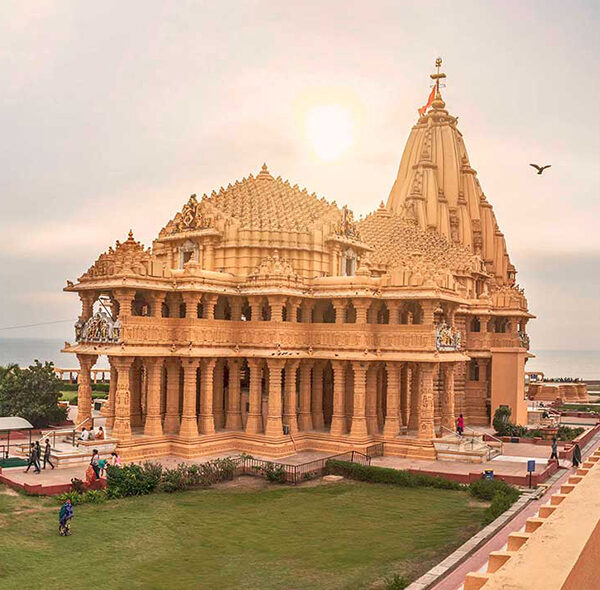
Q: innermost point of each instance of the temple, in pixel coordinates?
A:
(267, 319)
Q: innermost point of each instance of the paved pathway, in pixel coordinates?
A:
(478, 560)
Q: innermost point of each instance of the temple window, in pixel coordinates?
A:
(500, 325)
(475, 325)
(349, 263)
(328, 313)
(222, 309)
(246, 311)
(164, 310)
(350, 314)
(187, 251)
(474, 370)
(411, 313)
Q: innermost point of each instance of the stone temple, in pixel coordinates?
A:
(267, 319)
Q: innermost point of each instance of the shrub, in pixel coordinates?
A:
(501, 421)
(500, 503)
(89, 497)
(501, 495)
(567, 433)
(396, 582)
(188, 476)
(132, 480)
(174, 480)
(274, 472)
(389, 476)
(77, 485)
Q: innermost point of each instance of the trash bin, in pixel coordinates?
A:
(488, 474)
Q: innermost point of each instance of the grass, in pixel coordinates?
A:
(581, 407)
(68, 395)
(331, 537)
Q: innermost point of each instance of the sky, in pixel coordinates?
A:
(113, 113)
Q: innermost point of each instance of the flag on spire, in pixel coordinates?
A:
(424, 108)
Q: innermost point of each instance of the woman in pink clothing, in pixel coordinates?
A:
(460, 425)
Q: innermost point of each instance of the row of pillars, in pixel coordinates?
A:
(409, 397)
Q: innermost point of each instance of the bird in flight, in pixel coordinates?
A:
(540, 169)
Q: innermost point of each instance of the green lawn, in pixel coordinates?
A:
(337, 536)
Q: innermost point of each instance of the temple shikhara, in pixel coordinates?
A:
(266, 318)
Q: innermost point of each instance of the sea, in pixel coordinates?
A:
(584, 364)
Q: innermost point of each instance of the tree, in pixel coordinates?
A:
(31, 393)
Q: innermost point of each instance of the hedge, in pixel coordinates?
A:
(501, 495)
(390, 476)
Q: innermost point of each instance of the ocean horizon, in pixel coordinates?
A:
(584, 364)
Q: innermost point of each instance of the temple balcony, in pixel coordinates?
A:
(488, 340)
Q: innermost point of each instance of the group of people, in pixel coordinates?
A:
(34, 458)
(97, 466)
(91, 435)
(576, 453)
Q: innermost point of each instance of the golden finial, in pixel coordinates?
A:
(437, 77)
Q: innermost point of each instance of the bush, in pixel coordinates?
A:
(501, 495)
(389, 476)
(96, 387)
(89, 497)
(396, 582)
(274, 472)
(77, 485)
(186, 476)
(132, 480)
(504, 427)
(567, 433)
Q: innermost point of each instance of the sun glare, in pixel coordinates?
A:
(329, 129)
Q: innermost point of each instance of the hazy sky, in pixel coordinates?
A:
(113, 113)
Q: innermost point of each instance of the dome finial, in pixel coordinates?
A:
(438, 103)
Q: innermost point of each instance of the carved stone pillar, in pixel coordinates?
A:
(233, 419)
(338, 416)
(362, 307)
(393, 306)
(255, 308)
(209, 255)
(305, 417)
(189, 423)
(318, 422)
(426, 409)
(340, 310)
(172, 410)
(135, 387)
(391, 426)
(84, 391)
(156, 301)
(87, 304)
(153, 426)
(218, 395)
(122, 425)
(292, 309)
(359, 421)
(254, 418)
(274, 427)
(125, 298)
(290, 405)
(236, 308)
(112, 392)
(191, 301)
(307, 307)
(428, 306)
(173, 301)
(209, 302)
(448, 418)
(371, 400)
(276, 304)
(206, 418)
(413, 420)
(405, 394)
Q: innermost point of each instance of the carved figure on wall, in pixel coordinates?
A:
(447, 338)
(192, 217)
(346, 226)
(99, 328)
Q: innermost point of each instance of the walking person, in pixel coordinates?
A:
(47, 450)
(576, 455)
(95, 463)
(31, 460)
(554, 454)
(64, 516)
(460, 425)
(38, 456)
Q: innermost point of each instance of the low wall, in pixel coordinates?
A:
(46, 490)
(549, 392)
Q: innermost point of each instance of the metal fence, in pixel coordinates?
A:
(296, 473)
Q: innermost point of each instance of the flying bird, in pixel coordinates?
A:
(540, 169)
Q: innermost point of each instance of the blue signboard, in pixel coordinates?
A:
(530, 465)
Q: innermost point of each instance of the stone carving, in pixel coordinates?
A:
(524, 339)
(127, 258)
(447, 338)
(346, 226)
(275, 267)
(99, 328)
(192, 217)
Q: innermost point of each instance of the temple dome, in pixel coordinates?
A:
(437, 187)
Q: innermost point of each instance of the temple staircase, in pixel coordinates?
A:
(468, 448)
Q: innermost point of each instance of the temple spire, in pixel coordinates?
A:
(438, 103)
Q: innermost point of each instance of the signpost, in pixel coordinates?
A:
(530, 469)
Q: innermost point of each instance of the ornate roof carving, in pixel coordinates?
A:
(126, 258)
(258, 202)
(274, 267)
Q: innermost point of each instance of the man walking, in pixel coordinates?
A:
(31, 460)
(38, 456)
(47, 450)
(554, 454)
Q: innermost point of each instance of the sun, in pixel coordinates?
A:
(329, 128)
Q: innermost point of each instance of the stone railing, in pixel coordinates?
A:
(275, 335)
(487, 340)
